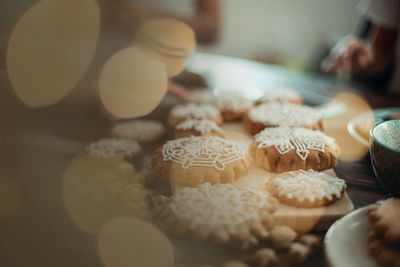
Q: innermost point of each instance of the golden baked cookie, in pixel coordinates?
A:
(282, 114)
(191, 161)
(306, 189)
(386, 254)
(108, 147)
(281, 149)
(233, 106)
(194, 111)
(222, 213)
(142, 131)
(191, 127)
(281, 94)
(385, 220)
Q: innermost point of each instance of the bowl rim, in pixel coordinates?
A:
(371, 134)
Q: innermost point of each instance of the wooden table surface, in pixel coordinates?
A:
(37, 144)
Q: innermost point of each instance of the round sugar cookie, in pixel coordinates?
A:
(194, 111)
(191, 127)
(131, 83)
(142, 131)
(281, 94)
(96, 189)
(306, 189)
(282, 114)
(198, 159)
(222, 213)
(385, 220)
(233, 106)
(126, 242)
(280, 149)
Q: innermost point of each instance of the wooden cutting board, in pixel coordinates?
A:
(300, 219)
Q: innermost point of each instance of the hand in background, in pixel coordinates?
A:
(349, 56)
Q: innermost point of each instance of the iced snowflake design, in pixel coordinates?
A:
(202, 151)
(219, 204)
(285, 139)
(201, 126)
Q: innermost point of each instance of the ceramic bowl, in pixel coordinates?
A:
(385, 154)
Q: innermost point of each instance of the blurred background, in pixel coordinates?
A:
(292, 33)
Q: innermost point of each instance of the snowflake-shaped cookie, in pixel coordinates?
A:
(285, 139)
(208, 151)
(220, 212)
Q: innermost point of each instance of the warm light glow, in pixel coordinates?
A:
(132, 84)
(51, 48)
(351, 149)
(126, 242)
(96, 189)
(168, 40)
(10, 196)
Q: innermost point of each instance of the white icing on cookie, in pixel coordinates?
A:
(201, 126)
(280, 95)
(205, 151)
(109, 147)
(285, 139)
(201, 97)
(195, 111)
(309, 185)
(233, 102)
(221, 204)
(139, 130)
(287, 114)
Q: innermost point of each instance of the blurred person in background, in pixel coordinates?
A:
(375, 58)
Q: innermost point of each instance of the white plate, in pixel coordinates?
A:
(377, 114)
(346, 241)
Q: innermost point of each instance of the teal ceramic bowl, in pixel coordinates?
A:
(385, 154)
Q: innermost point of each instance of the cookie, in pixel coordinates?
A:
(191, 127)
(109, 147)
(385, 254)
(282, 114)
(194, 111)
(222, 213)
(201, 96)
(95, 189)
(306, 189)
(282, 94)
(281, 149)
(142, 131)
(233, 106)
(191, 161)
(385, 220)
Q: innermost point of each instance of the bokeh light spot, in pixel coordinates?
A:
(132, 84)
(50, 49)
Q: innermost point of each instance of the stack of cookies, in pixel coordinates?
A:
(384, 238)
